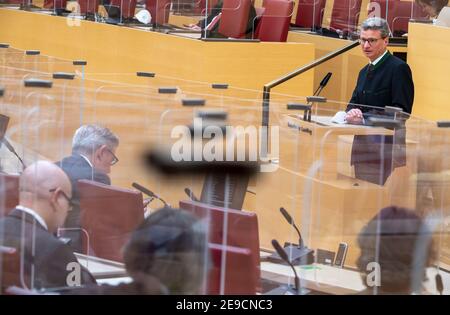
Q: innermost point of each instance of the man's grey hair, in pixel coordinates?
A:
(376, 24)
(89, 138)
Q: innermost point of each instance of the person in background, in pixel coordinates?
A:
(385, 81)
(432, 7)
(43, 261)
(391, 240)
(93, 154)
(166, 254)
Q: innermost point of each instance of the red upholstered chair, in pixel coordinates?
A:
(109, 215)
(310, 13)
(159, 10)
(9, 193)
(55, 4)
(11, 273)
(236, 266)
(274, 23)
(127, 7)
(234, 19)
(345, 15)
(242, 228)
(398, 14)
(200, 6)
(88, 6)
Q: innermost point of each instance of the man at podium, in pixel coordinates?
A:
(385, 81)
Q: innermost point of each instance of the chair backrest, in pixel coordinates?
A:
(9, 193)
(236, 266)
(10, 269)
(109, 214)
(310, 13)
(127, 7)
(159, 10)
(234, 19)
(88, 6)
(242, 228)
(274, 23)
(345, 15)
(55, 4)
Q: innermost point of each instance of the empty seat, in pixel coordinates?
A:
(109, 215)
(345, 16)
(127, 7)
(55, 4)
(310, 13)
(234, 19)
(398, 14)
(9, 193)
(242, 228)
(159, 10)
(274, 23)
(235, 266)
(88, 6)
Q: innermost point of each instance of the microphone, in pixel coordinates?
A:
(149, 193)
(323, 83)
(13, 151)
(439, 284)
(288, 218)
(299, 254)
(191, 195)
(286, 289)
(325, 79)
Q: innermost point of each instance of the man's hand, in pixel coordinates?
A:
(354, 116)
(193, 27)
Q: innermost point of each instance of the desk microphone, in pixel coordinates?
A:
(191, 195)
(288, 218)
(323, 83)
(149, 193)
(13, 151)
(300, 254)
(286, 289)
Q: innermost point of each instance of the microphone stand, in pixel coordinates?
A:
(287, 289)
(298, 254)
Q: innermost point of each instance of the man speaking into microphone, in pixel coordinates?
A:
(385, 81)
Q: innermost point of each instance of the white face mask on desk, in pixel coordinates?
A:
(144, 17)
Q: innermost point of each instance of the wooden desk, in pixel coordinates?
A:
(428, 47)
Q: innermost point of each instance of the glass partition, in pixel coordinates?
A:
(314, 195)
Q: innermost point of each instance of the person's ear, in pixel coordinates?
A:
(54, 198)
(99, 152)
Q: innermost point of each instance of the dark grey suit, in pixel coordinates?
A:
(47, 267)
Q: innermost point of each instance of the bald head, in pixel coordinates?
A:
(42, 188)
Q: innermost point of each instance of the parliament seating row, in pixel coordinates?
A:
(110, 214)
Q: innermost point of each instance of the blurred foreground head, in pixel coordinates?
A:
(392, 239)
(169, 245)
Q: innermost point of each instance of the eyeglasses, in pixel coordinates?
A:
(115, 159)
(70, 201)
(371, 41)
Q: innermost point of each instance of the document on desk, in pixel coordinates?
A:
(101, 268)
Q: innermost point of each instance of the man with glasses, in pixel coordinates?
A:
(385, 81)
(93, 154)
(43, 261)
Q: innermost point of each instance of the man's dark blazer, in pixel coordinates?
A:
(23, 232)
(388, 83)
(76, 167)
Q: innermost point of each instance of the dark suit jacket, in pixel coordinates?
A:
(76, 168)
(51, 256)
(389, 83)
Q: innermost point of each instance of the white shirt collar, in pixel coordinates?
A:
(34, 214)
(379, 58)
(87, 160)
